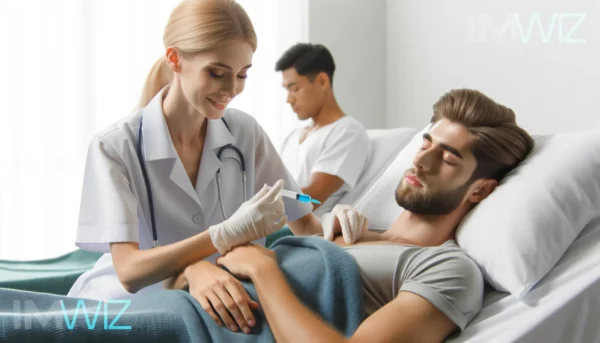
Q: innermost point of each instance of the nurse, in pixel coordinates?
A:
(184, 125)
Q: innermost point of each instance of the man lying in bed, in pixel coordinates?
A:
(418, 285)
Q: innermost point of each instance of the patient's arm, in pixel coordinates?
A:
(408, 318)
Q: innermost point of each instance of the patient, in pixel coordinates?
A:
(327, 156)
(418, 285)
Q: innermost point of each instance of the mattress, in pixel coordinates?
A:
(563, 307)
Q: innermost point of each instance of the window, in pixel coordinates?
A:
(71, 68)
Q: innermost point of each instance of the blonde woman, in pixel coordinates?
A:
(163, 191)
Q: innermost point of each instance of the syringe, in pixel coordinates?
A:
(298, 196)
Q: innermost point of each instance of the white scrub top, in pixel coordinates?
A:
(114, 203)
(340, 148)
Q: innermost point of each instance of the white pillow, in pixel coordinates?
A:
(522, 229)
(384, 146)
(379, 202)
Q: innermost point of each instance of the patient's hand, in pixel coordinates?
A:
(178, 282)
(243, 259)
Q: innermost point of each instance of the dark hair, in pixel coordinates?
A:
(498, 143)
(308, 60)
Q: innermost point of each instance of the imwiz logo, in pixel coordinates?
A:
(561, 28)
(26, 311)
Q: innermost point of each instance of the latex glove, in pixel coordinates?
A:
(346, 219)
(258, 217)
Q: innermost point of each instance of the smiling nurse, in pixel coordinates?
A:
(152, 177)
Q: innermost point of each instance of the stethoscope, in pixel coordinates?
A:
(140, 153)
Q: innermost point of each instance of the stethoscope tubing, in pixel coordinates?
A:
(140, 154)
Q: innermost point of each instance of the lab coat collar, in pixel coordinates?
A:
(217, 134)
(157, 143)
(157, 139)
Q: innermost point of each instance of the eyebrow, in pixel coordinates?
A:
(445, 146)
(225, 66)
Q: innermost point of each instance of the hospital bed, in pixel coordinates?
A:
(384, 145)
(562, 307)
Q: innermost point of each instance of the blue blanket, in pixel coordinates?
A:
(323, 276)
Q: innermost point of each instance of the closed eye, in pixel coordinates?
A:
(219, 76)
(213, 74)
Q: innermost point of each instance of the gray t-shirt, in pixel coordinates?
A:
(443, 275)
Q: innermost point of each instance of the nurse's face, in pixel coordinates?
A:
(211, 79)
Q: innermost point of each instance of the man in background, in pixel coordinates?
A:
(329, 154)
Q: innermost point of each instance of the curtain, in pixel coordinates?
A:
(72, 67)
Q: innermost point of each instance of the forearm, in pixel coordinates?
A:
(146, 267)
(309, 191)
(288, 318)
(306, 226)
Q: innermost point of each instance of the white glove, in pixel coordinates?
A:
(346, 219)
(258, 217)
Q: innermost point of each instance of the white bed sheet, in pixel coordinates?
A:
(563, 307)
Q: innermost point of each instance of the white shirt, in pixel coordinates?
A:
(114, 202)
(340, 148)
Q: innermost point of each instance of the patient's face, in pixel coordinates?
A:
(439, 180)
(305, 96)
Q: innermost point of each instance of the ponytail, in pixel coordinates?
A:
(160, 76)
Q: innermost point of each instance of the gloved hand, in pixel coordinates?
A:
(258, 217)
(346, 219)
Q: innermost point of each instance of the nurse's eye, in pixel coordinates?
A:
(243, 77)
(216, 74)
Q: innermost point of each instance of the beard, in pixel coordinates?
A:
(425, 201)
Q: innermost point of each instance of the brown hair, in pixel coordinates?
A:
(195, 26)
(498, 143)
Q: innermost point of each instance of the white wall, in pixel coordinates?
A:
(354, 31)
(552, 84)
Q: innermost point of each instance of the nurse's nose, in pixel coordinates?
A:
(229, 87)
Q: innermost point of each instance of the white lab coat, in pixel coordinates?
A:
(114, 202)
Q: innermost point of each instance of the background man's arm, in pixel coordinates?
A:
(321, 186)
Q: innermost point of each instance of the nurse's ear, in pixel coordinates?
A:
(173, 60)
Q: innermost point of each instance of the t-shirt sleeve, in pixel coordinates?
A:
(269, 168)
(108, 208)
(344, 154)
(450, 281)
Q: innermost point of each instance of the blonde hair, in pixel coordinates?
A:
(195, 26)
(498, 143)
